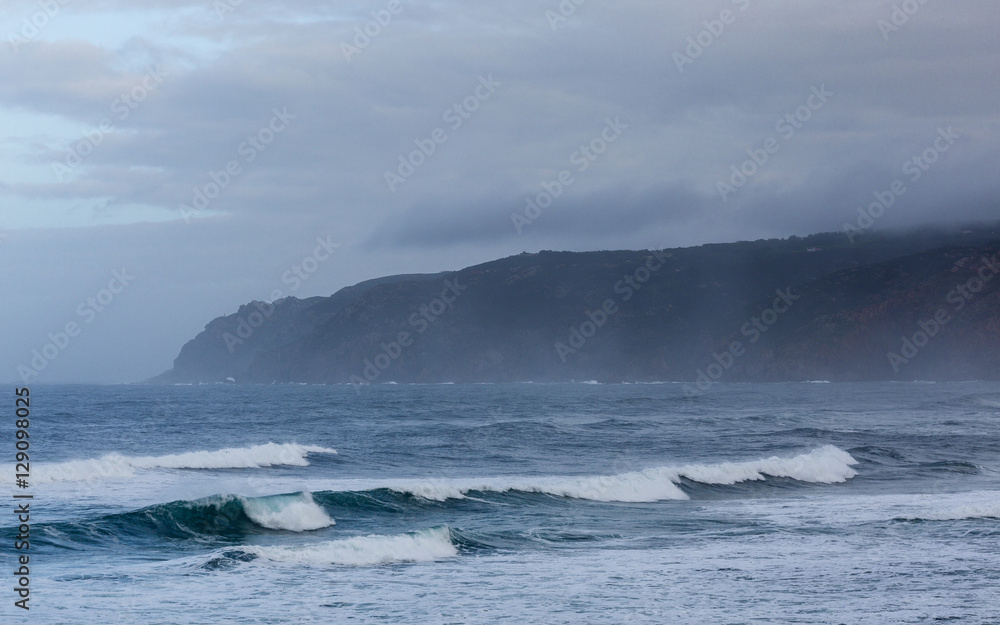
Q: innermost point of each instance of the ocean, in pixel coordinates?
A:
(521, 503)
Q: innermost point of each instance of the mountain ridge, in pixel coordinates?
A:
(807, 308)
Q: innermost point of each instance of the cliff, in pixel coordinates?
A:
(808, 308)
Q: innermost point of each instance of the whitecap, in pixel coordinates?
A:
(422, 546)
(116, 465)
(297, 512)
(825, 465)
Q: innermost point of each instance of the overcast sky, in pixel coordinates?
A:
(120, 119)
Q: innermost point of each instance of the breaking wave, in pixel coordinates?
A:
(118, 466)
(218, 517)
(422, 546)
(297, 512)
(825, 465)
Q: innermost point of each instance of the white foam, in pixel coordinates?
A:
(631, 487)
(423, 546)
(296, 513)
(637, 486)
(961, 513)
(435, 490)
(118, 466)
(825, 465)
(848, 509)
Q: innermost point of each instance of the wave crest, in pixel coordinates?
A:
(118, 466)
(825, 465)
(422, 546)
(228, 516)
(295, 513)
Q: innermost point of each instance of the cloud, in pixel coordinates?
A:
(356, 114)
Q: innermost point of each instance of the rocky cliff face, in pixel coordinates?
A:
(917, 306)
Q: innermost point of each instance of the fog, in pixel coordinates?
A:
(164, 163)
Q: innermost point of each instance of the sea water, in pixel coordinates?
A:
(520, 503)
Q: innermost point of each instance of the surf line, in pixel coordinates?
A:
(22, 542)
